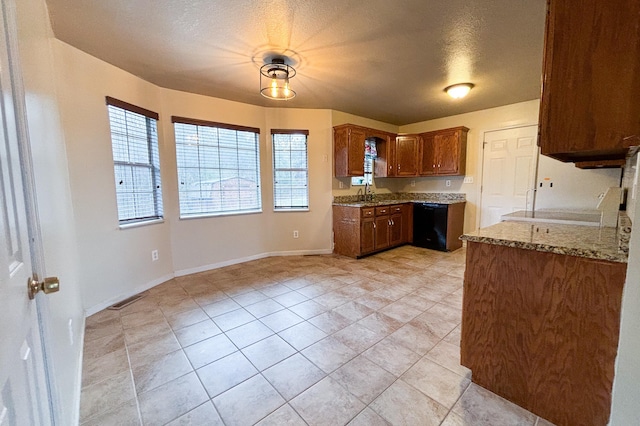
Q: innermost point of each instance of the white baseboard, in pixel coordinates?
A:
(103, 305)
(301, 252)
(78, 386)
(217, 265)
(189, 271)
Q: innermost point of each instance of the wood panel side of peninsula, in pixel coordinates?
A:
(541, 329)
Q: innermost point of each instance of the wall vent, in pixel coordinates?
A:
(126, 302)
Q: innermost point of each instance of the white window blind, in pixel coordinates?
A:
(136, 161)
(290, 169)
(218, 168)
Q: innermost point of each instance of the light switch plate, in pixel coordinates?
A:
(468, 179)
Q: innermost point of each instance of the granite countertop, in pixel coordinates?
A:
(401, 197)
(567, 217)
(572, 240)
(390, 202)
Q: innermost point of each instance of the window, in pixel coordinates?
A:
(290, 170)
(134, 141)
(218, 168)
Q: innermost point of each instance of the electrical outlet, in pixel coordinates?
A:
(154, 255)
(447, 182)
(468, 179)
(413, 183)
(295, 234)
(340, 185)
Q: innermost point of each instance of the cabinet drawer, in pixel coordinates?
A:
(382, 210)
(368, 212)
(396, 209)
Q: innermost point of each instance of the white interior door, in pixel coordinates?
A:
(508, 172)
(24, 396)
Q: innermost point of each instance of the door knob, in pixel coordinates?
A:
(48, 285)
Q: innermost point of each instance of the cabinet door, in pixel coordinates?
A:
(340, 151)
(407, 223)
(406, 155)
(382, 232)
(367, 235)
(395, 229)
(383, 164)
(346, 230)
(447, 153)
(427, 154)
(356, 152)
(590, 80)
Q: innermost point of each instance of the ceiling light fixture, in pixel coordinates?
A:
(460, 90)
(274, 80)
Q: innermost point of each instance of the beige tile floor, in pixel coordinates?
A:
(317, 340)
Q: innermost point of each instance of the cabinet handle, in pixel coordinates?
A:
(389, 222)
(434, 166)
(398, 166)
(374, 225)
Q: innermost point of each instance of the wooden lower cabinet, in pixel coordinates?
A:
(360, 231)
(541, 330)
(367, 236)
(382, 232)
(395, 229)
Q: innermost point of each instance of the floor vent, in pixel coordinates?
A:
(126, 302)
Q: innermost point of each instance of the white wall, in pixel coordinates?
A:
(626, 384)
(314, 226)
(573, 188)
(114, 263)
(204, 243)
(478, 122)
(54, 203)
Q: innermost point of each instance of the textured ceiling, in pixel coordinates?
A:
(383, 59)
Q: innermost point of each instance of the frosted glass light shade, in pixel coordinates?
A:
(458, 91)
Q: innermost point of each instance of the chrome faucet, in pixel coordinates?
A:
(360, 196)
(367, 191)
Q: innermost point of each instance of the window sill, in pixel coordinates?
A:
(141, 223)
(206, 215)
(290, 210)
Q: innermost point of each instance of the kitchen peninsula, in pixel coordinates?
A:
(541, 316)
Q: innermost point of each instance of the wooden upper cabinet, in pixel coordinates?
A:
(427, 160)
(451, 151)
(383, 166)
(443, 152)
(437, 153)
(590, 80)
(348, 145)
(406, 155)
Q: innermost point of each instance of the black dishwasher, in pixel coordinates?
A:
(430, 225)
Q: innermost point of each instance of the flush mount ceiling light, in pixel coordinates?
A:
(460, 90)
(274, 80)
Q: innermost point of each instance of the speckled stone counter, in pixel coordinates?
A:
(584, 218)
(572, 240)
(401, 197)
